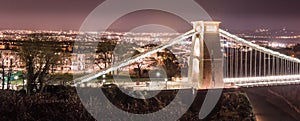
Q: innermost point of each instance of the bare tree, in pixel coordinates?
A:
(104, 52)
(3, 69)
(38, 56)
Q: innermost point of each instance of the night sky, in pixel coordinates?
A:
(69, 14)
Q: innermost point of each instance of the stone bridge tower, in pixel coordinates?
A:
(206, 59)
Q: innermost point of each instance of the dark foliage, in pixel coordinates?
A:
(61, 103)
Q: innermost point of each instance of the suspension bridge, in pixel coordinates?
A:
(219, 58)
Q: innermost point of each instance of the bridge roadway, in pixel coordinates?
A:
(264, 81)
(184, 84)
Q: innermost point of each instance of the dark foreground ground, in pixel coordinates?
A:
(61, 103)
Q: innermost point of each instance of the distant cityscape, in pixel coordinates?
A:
(283, 41)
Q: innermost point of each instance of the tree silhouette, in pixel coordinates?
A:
(38, 56)
(104, 52)
(165, 58)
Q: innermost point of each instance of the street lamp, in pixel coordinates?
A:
(158, 74)
(23, 79)
(166, 80)
(16, 77)
(103, 81)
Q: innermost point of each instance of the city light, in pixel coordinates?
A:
(16, 77)
(265, 50)
(157, 74)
